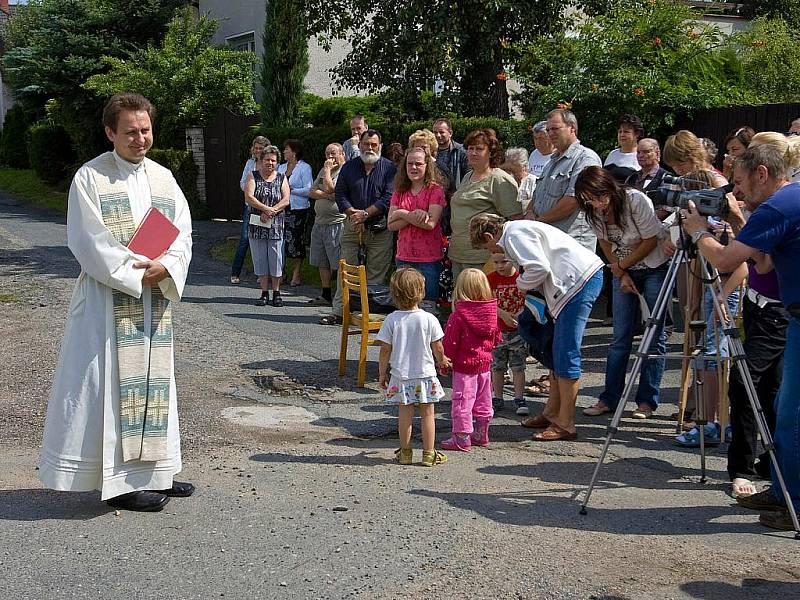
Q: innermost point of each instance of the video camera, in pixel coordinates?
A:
(675, 192)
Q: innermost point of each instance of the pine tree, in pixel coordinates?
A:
(285, 62)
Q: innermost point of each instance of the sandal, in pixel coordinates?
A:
(404, 456)
(431, 458)
(554, 433)
(741, 488)
(539, 387)
(331, 320)
(536, 422)
(235, 279)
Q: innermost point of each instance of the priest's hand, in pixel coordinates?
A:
(154, 273)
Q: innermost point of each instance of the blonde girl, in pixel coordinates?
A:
(471, 335)
(411, 350)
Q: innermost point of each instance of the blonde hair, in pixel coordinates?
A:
(424, 138)
(472, 285)
(407, 286)
(789, 146)
(484, 223)
(685, 147)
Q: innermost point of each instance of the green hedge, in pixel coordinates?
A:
(14, 142)
(181, 163)
(50, 152)
(510, 132)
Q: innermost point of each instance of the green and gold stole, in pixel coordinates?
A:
(143, 380)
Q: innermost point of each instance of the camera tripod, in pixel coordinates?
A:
(697, 330)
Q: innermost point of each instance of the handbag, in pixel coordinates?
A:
(379, 298)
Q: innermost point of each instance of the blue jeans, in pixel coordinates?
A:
(787, 418)
(430, 271)
(569, 327)
(244, 244)
(626, 314)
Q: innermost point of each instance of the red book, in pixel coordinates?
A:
(154, 235)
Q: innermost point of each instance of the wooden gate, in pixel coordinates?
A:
(716, 123)
(224, 163)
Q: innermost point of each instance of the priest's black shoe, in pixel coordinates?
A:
(143, 501)
(179, 489)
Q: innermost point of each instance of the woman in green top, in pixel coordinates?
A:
(486, 188)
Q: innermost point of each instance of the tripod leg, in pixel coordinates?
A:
(664, 295)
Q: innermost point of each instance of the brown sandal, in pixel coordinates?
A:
(536, 422)
(554, 433)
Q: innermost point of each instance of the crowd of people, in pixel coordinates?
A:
(529, 242)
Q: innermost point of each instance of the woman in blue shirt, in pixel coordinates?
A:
(300, 177)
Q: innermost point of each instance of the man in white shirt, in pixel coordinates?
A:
(112, 417)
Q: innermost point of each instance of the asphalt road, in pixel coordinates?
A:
(297, 495)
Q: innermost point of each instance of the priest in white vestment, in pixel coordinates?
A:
(127, 449)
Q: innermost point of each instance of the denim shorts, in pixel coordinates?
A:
(569, 327)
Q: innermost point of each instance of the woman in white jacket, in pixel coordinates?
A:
(569, 277)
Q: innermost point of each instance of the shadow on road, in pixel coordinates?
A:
(558, 511)
(53, 261)
(362, 459)
(40, 505)
(620, 473)
(750, 588)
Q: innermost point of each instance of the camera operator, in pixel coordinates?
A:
(770, 239)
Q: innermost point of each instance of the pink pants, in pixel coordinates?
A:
(472, 397)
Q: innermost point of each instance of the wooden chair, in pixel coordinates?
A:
(356, 323)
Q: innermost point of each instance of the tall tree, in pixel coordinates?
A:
(461, 48)
(285, 61)
(186, 77)
(55, 45)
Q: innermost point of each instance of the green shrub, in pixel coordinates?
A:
(510, 132)
(49, 151)
(14, 142)
(181, 163)
(385, 107)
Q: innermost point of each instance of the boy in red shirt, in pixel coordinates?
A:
(512, 351)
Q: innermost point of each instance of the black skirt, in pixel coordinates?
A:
(293, 233)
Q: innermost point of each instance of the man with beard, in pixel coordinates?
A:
(363, 191)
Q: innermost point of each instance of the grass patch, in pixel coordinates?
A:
(24, 184)
(8, 298)
(225, 250)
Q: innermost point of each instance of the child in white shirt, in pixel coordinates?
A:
(410, 339)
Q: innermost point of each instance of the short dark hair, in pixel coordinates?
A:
(768, 155)
(488, 137)
(125, 101)
(633, 122)
(445, 121)
(371, 133)
(296, 146)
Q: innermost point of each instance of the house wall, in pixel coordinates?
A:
(246, 17)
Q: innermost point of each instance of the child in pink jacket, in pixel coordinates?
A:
(469, 338)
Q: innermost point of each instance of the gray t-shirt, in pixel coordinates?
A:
(558, 180)
(326, 212)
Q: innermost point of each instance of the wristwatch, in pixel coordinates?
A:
(698, 235)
